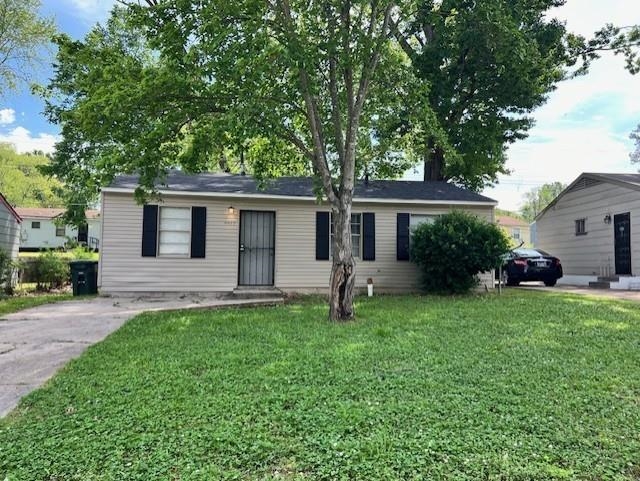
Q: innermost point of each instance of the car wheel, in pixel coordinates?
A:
(551, 283)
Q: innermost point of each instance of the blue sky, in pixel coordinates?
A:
(584, 127)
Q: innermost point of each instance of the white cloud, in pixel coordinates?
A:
(585, 125)
(7, 116)
(23, 141)
(92, 11)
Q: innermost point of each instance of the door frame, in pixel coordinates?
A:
(273, 240)
(615, 251)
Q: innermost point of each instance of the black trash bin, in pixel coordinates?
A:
(84, 277)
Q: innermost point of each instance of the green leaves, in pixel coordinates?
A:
(24, 40)
(537, 199)
(454, 249)
(23, 183)
(488, 64)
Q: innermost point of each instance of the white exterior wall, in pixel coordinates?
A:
(123, 269)
(9, 232)
(45, 237)
(591, 254)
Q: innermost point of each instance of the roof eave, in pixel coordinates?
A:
(124, 190)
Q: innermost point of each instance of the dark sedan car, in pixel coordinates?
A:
(522, 265)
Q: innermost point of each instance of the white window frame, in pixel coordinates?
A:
(35, 223)
(60, 228)
(516, 233)
(358, 243)
(581, 226)
(180, 231)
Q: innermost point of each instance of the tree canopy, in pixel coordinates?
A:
(489, 65)
(23, 183)
(24, 36)
(537, 199)
(295, 86)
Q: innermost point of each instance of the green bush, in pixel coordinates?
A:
(81, 253)
(453, 250)
(8, 273)
(50, 271)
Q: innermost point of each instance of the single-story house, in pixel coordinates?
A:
(10, 222)
(219, 232)
(593, 226)
(41, 229)
(516, 229)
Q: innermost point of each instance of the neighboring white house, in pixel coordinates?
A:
(215, 233)
(9, 228)
(40, 229)
(593, 226)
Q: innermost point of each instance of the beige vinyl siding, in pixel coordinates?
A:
(593, 253)
(296, 269)
(9, 232)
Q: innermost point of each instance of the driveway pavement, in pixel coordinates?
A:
(36, 342)
(588, 291)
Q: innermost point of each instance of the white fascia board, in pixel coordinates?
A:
(120, 190)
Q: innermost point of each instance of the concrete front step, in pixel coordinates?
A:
(257, 293)
(600, 285)
(609, 279)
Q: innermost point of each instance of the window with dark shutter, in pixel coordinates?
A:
(198, 232)
(402, 237)
(368, 236)
(322, 236)
(149, 230)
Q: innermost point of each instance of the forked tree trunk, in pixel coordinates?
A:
(343, 270)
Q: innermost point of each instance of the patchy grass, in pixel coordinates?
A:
(519, 387)
(21, 302)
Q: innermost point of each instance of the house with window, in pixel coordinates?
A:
(215, 233)
(517, 230)
(42, 229)
(10, 222)
(593, 226)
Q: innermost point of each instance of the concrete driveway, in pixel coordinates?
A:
(36, 342)
(586, 291)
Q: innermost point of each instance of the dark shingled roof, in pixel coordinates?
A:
(303, 187)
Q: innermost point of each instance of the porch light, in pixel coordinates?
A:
(231, 210)
(607, 219)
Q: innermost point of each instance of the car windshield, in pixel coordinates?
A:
(530, 252)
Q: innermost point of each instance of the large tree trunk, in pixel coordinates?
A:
(343, 271)
(433, 162)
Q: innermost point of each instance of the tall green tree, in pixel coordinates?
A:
(22, 182)
(489, 65)
(537, 199)
(24, 38)
(298, 84)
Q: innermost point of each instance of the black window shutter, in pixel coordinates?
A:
(368, 236)
(402, 237)
(149, 230)
(322, 236)
(198, 232)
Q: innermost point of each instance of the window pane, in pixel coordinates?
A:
(174, 249)
(175, 231)
(355, 245)
(175, 237)
(417, 219)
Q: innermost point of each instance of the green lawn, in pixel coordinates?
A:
(528, 386)
(20, 302)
